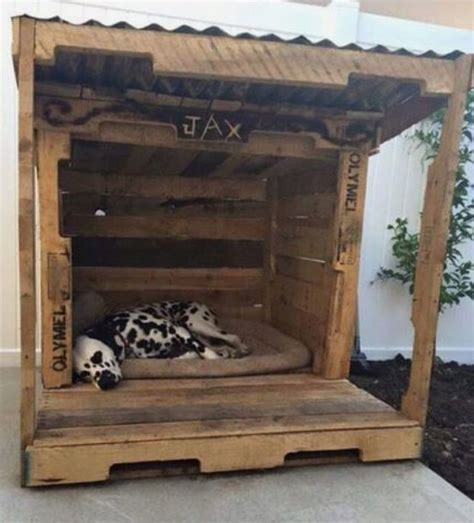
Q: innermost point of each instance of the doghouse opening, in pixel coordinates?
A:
(250, 236)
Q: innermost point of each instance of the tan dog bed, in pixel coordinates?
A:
(272, 351)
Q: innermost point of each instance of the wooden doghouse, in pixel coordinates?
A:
(194, 165)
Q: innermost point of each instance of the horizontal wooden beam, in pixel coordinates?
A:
(165, 187)
(155, 208)
(213, 297)
(174, 228)
(242, 60)
(280, 109)
(133, 278)
(237, 130)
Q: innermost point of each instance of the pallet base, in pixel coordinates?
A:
(212, 426)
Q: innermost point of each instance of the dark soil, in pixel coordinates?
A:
(449, 435)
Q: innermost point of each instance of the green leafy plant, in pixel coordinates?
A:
(457, 281)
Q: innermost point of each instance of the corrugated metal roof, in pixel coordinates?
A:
(217, 31)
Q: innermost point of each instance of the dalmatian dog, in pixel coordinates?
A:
(180, 330)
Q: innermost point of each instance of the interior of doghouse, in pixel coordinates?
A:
(137, 205)
(152, 223)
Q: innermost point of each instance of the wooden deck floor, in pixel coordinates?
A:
(225, 423)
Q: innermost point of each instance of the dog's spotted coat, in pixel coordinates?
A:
(168, 329)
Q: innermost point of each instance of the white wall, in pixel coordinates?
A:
(396, 176)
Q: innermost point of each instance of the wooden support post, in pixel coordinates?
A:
(269, 252)
(56, 320)
(352, 181)
(433, 237)
(27, 234)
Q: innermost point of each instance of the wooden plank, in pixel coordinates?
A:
(167, 385)
(302, 238)
(304, 269)
(432, 250)
(197, 429)
(24, 46)
(302, 295)
(269, 247)
(308, 181)
(212, 297)
(318, 206)
(346, 242)
(244, 60)
(132, 278)
(252, 405)
(80, 463)
(56, 294)
(165, 187)
(196, 398)
(89, 203)
(223, 228)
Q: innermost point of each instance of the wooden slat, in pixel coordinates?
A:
(74, 410)
(301, 269)
(130, 278)
(172, 228)
(302, 238)
(165, 187)
(318, 206)
(211, 297)
(433, 237)
(244, 60)
(345, 250)
(302, 295)
(197, 429)
(89, 203)
(234, 395)
(309, 181)
(24, 46)
(269, 246)
(56, 296)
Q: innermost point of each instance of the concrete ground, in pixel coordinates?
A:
(357, 492)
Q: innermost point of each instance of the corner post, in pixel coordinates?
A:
(56, 292)
(343, 275)
(432, 250)
(26, 233)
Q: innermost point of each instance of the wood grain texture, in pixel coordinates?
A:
(224, 423)
(133, 278)
(56, 289)
(343, 279)
(433, 237)
(205, 228)
(24, 46)
(243, 60)
(164, 187)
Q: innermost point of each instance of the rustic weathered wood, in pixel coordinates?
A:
(133, 278)
(433, 237)
(164, 187)
(213, 228)
(342, 282)
(270, 416)
(155, 208)
(24, 43)
(243, 60)
(56, 292)
(269, 246)
(215, 298)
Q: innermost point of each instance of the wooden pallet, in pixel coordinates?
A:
(223, 424)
